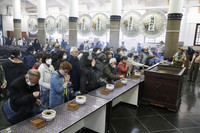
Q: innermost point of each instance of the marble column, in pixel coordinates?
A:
(41, 9)
(173, 28)
(73, 16)
(17, 19)
(115, 23)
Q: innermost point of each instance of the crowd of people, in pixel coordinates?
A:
(49, 76)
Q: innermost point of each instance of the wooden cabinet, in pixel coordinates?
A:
(163, 86)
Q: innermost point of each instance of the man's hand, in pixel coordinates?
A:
(67, 78)
(38, 102)
(93, 62)
(121, 76)
(146, 66)
(3, 86)
(36, 94)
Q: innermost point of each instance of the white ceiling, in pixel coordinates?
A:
(86, 6)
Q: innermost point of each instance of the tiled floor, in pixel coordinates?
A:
(151, 119)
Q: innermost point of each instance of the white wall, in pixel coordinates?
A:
(8, 24)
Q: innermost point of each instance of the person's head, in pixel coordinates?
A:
(161, 42)
(65, 67)
(38, 57)
(109, 55)
(146, 48)
(32, 77)
(57, 46)
(196, 53)
(102, 57)
(181, 50)
(130, 55)
(16, 54)
(74, 52)
(119, 50)
(36, 41)
(62, 55)
(113, 62)
(30, 49)
(124, 59)
(46, 59)
(111, 48)
(124, 52)
(106, 49)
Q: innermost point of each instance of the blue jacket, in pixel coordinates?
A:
(57, 88)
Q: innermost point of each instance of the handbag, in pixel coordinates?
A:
(8, 112)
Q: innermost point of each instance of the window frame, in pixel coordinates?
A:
(197, 39)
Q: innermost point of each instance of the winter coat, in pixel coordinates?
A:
(86, 73)
(108, 74)
(29, 61)
(37, 46)
(122, 69)
(13, 70)
(21, 97)
(100, 62)
(75, 72)
(2, 76)
(45, 75)
(57, 87)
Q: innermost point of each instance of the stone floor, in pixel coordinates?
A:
(152, 119)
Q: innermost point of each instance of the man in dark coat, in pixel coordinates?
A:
(24, 95)
(75, 73)
(29, 59)
(13, 68)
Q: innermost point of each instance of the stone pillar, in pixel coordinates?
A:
(17, 19)
(73, 16)
(115, 23)
(41, 9)
(173, 28)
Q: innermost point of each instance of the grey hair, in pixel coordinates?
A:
(112, 60)
(73, 49)
(33, 72)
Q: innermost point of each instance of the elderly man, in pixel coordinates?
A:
(24, 95)
(75, 73)
(109, 72)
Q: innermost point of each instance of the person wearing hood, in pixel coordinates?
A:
(46, 70)
(101, 59)
(75, 73)
(59, 83)
(24, 96)
(29, 59)
(13, 68)
(87, 65)
(37, 45)
(62, 56)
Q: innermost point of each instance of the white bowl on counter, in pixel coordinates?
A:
(48, 115)
(110, 86)
(124, 81)
(137, 73)
(81, 99)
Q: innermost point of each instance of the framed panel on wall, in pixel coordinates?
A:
(197, 35)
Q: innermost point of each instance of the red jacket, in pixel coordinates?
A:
(122, 69)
